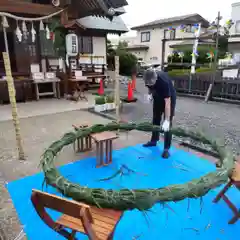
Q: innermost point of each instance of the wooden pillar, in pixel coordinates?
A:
(64, 17)
(117, 90)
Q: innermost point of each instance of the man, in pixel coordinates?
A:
(163, 94)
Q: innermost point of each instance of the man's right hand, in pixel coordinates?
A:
(149, 98)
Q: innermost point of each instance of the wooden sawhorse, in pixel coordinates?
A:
(84, 143)
(234, 180)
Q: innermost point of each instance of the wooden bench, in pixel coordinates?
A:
(233, 181)
(83, 143)
(101, 139)
(97, 224)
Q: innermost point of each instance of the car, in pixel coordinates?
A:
(144, 67)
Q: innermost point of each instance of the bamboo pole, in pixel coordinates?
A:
(209, 91)
(11, 91)
(117, 88)
(195, 47)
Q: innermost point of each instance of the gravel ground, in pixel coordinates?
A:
(218, 120)
(38, 133)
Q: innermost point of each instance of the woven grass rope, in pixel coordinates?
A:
(141, 199)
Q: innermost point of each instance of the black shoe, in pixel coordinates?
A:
(150, 144)
(165, 154)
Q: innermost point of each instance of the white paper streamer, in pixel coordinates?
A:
(47, 32)
(18, 33)
(33, 32)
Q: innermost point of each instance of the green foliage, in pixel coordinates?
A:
(127, 61)
(60, 34)
(201, 59)
(100, 100)
(181, 72)
(222, 46)
(121, 48)
(109, 99)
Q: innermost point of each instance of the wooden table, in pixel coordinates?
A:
(79, 84)
(93, 76)
(55, 87)
(101, 139)
(234, 181)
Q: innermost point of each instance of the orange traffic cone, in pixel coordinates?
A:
(101, 88)
(134, 82)
(130, 91)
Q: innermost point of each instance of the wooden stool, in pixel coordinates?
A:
(234, 180)
(101, 139)
(83, 143)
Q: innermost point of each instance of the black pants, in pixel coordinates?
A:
(158, 112)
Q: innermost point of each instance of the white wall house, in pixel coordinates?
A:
(148, 42)
(234, 39)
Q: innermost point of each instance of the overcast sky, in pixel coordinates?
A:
(143, 11)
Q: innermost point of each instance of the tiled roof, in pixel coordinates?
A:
(194, 18)
(116, 3)
(92, 22)
(98, 7)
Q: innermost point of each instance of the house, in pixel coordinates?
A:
(26, 52)
(97, 29)
(234, 39)
(92, 45)
(123, 38)
(153, 40)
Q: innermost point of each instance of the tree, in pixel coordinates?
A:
(127, 60)
(121, 48)
(110, 49)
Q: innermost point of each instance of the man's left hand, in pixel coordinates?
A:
(166, 126)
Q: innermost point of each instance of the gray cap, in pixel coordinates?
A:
(150, 76)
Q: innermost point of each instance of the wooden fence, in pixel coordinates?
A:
(223, 89)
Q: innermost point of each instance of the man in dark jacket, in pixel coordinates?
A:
(163, 94)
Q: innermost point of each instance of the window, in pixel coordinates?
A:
(154, 58)
(189, 28)
(169, 34)
(237, 27)
(145, 37)
(85, 44)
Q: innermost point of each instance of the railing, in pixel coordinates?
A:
(223, 89)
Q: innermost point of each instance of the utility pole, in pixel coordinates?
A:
(209, 91)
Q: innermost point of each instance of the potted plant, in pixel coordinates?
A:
(103, 103)
(109, 103)
(113, 105)
(99, 104)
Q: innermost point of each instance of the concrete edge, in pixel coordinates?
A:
(101, 114)
(214, 99)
